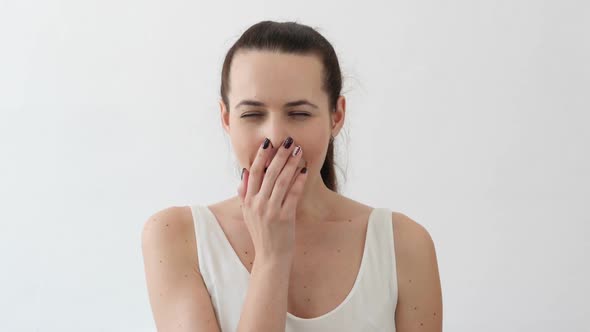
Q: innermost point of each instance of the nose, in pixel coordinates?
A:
(277, 140)
(277, 134)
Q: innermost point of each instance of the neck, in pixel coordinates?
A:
(316, 202)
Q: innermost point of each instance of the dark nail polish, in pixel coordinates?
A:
(288, 142)
(265, 169)
(304, 170)
(242, 175)
(266, 142)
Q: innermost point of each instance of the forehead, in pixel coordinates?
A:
(273, 77)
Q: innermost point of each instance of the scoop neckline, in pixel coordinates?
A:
(350, 293)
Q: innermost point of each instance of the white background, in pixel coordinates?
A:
(470, 117)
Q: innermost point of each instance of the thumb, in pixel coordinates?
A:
(243, 186)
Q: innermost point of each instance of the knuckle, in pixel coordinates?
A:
(269, 171)
(255, 169)
(256, 205)
(260, 154)
(282, 182)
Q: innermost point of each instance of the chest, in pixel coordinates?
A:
(326, 263)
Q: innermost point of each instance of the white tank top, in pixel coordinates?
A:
(370, 305)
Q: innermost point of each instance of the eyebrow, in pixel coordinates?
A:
(300, 102)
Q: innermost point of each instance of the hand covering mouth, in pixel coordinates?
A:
(302, 163)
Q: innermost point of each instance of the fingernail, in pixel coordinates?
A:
(242, 175)
(288, 142)
(265, 169)
(296, 151)
(304, 170)
(265, 144)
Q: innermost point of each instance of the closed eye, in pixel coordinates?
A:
(256, 114)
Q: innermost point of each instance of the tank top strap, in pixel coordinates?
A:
(218, 262)
(381, 254)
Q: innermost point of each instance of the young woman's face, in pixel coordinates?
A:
(273, 80)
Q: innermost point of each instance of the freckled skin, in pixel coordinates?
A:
(304, 303)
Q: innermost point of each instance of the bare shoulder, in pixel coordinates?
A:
(172, 228)
(419, 303)
(178, 296)
(169, 222)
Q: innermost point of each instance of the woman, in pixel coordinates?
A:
(288, 252)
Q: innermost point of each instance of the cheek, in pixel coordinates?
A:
(313, 153)
(245, 148)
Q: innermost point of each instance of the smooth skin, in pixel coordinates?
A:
(268, 202)
(178, 296)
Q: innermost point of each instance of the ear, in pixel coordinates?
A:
(224, 115)
(338, 116)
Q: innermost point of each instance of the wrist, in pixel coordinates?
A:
(273, 263)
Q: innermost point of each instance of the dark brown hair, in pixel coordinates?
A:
(294, 38)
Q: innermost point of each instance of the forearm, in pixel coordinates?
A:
(265, 306)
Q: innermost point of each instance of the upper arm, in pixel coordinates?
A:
(419, 306)
(178, 296)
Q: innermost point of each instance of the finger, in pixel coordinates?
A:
(243, 185)
(302, 163)
(285, 177)
(294, 194)
(271, 156)
(256, 171)
(292, 181)
(275, 167)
